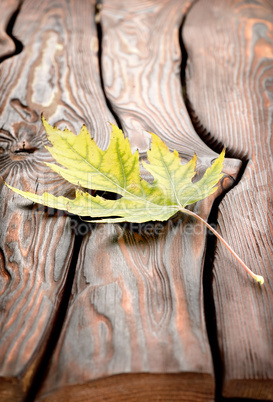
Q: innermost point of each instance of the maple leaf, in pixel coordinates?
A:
(117, 170)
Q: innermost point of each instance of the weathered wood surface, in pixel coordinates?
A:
(35, 254)
(135, 324)
(230, 87)
(137, 299)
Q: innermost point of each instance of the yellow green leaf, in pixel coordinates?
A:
(116, 169)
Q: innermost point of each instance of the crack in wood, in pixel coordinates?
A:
(59, 321)
(99, 36)
(9, 31)
(209, 306)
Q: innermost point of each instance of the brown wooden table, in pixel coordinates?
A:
(143, 312)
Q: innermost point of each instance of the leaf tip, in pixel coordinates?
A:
(157, 141)
(6, 184)
(44, 121)
(114, 127)
(194, 158)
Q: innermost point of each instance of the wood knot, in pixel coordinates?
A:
(20, 150)
(27, 141)
(23, 147)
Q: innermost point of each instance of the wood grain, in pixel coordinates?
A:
(136, 307)
(136, 310)
(138, 387)
(35, 253)
(36, 245)
(141, 66)
(229, 85)
(51, 74)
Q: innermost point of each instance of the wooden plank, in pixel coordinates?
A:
(141, 66)
(36, 245)
(136, 311)
(137, 387)
(35, 253)
(229, 85)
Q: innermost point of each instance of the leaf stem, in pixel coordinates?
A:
(258, 278)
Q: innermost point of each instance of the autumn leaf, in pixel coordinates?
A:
(116, 169)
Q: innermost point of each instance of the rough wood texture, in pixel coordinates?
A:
(141, 66)
(138, 387)
(137, 299)
(229, 85)
(135, 325)
(35, 253)
(136, 307)
(36, 246)
(60, 57)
